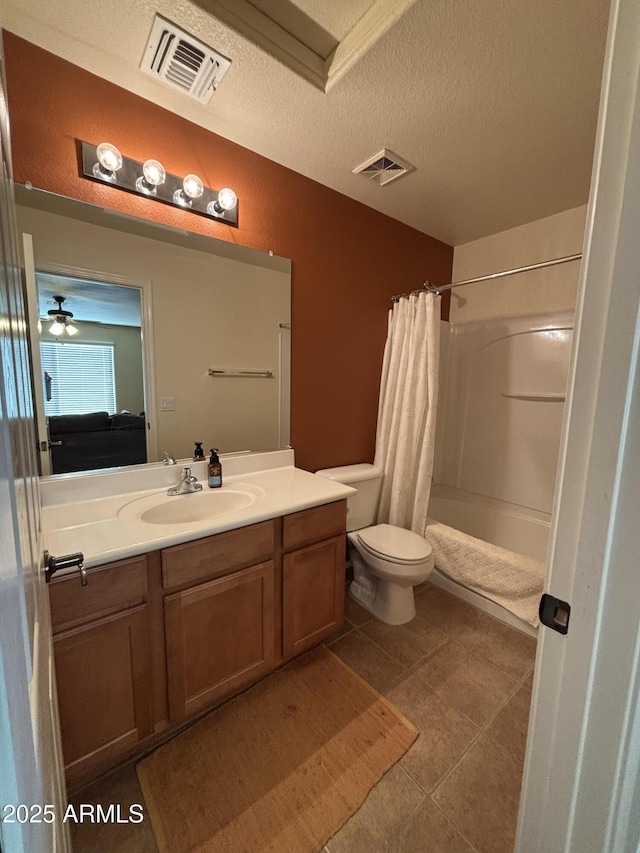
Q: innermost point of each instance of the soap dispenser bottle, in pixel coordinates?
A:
(215, 470)
(198, 453)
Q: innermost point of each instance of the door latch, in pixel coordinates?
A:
(44, 446)
(55, 564)
(554, 613)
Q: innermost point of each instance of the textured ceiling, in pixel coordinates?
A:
(90, 300)
(494, 101)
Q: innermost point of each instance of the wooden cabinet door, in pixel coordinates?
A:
(219, 636)
(312, 595)
(104, 690)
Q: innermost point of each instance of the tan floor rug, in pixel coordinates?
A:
(280, 768)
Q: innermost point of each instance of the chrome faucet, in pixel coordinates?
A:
(167, 458)
(187, 485)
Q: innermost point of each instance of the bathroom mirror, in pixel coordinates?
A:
(214, 328)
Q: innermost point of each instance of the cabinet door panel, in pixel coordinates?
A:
(313, 595)
(103, 682)
(219, 635)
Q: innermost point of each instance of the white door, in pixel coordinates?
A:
(581, 787)
(32, 793)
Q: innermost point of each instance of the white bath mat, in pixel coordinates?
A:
(511, 580)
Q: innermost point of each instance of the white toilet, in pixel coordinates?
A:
(387, 561)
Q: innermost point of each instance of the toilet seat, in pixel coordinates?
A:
(388, 542)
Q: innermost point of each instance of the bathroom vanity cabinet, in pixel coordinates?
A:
(156, 639)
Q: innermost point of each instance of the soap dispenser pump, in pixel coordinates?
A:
(198, 453)
(215, 470)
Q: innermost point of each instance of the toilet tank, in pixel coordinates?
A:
(367, 479)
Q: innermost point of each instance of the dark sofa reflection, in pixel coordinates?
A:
(96, 440)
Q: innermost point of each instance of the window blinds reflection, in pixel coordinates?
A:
(82, 378)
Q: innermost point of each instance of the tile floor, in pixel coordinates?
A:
(464, 680)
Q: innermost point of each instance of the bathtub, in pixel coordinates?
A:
(516, 529)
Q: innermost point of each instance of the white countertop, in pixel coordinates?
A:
(108, 527)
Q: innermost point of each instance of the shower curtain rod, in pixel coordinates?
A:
(433, 288)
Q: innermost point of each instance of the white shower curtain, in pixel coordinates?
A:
(405, 436)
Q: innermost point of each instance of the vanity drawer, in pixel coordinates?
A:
(111, 588)
(204, 559)
(313, 525)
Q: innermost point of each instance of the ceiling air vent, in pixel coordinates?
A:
(183, 62)
(383, 167)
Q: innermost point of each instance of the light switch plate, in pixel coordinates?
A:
(167, 404)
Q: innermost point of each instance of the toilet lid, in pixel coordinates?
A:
(388, 541)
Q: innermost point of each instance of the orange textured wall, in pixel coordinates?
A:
(347, 259)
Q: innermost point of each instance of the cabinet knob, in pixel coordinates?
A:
(55, 564)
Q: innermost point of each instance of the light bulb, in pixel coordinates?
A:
(56, 328)
(71, 330)
(153, 175)
(109, 161)
(154, 172)
(109, 157)
(192, 188)
(226, 200)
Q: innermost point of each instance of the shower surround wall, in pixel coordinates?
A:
(546, 291)
(503, 410)
(504, 369)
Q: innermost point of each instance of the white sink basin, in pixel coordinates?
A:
(208, 505)
(197, 508)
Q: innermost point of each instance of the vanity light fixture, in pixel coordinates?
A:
(153, 176)
(60, 320)
(104, 163)
(109, 161)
